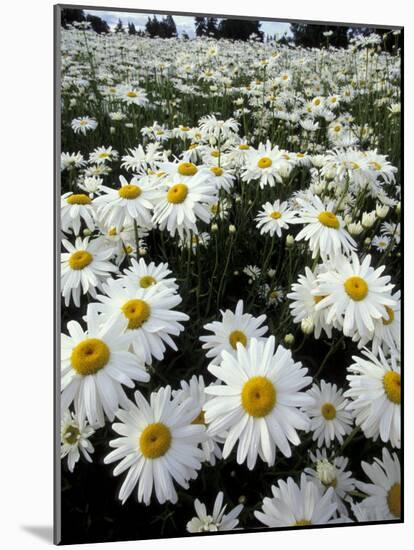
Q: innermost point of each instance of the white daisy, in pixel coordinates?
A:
(184, 202)
(157, 445)
(233, 328)
(384, 493)
(74, 435)
(274, 217)
(217, 521)
(375, 390)
(267, 164)
(144, 275)
(355, 294)
(146, 315)
(133, 201)
(85, 265)
(297, 505)
(73, 209)
(259, 401)
(132, 96)
(95, 365)
(324, 230)
(330, 420)
(83, 124)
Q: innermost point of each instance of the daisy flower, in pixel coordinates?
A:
(183, 202)
(218, 129)
(217, 521)
(132, 96)
(234, 328)
(297, 505)
(324, 230)
(103, 154)
(91, 185)
(141, 160)
(144, 275)
(259, 401)
(157, 446)
(274, 217)
(146, 313)
(83, 124)
(375, 390)
(74, 436)
(133, 201)
(95, 365)
(355, 294)
(73, 209)
(331, 472)
(381, 243)
(267, 164)
(222, 179)
(384, 491)
(84, 266)
(70, 161)
(195, 389)
(329, 418)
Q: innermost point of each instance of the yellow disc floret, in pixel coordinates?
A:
(137, 312)
(394, 500)
(129, 191)
(328, 411)
(131, 93)
(302, 522)
(392, 386)
(264, 162)
(79, 199)
(155, 440)
(71, 434)
(328, 219)
(237, 336)
(90, 356)
(217, 171)
(177, 193)
(187, 169)
(356, 288)
(200, 418)
(275, 215)
(146, 281)
(80, 259)
(258, 396)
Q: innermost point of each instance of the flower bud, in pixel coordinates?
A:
(290, 240)
(289, 340)
(368, 219)
(214, 228)
(232, 229)
(307, 325)
(382, 211)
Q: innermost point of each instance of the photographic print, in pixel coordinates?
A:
(229, 274)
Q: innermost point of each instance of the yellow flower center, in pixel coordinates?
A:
(317, 101)
(244, 147)
(392, 386)
(112, 232)
(103, 155)
(137, 312)
(155, 440)
(264, 162)
(394, 500)
(79, 199)
(391, 316)
(129, 191)
(328, 219)
(375, 165)
(356, 288)
(217, 171)
(275, 215)
(193, 146)
(337, 128)
(302, 522)
(200, 418)
(146, 281)
(132, 94)
(90, 356)
(177, 193)
(317, 299)
(237, 336)
(215, 153)
(258, 396)
(187, 169)
(71, 435)
(328, 411)
(184, 128)
(80, 259)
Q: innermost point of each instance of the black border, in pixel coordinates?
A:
(57, 8)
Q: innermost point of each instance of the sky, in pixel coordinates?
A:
(183, 23)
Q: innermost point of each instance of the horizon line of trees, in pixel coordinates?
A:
(306, 35)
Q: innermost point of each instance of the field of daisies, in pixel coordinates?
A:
(230, 280)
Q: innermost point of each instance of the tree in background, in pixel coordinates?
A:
(165, 28)
(200, 26)
(68, 16)
(98, 25)
(131, 28)
(311, 36)
(212, 26)
(239, 29)
(119, 27)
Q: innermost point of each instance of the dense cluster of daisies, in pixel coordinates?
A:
(284, 161)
